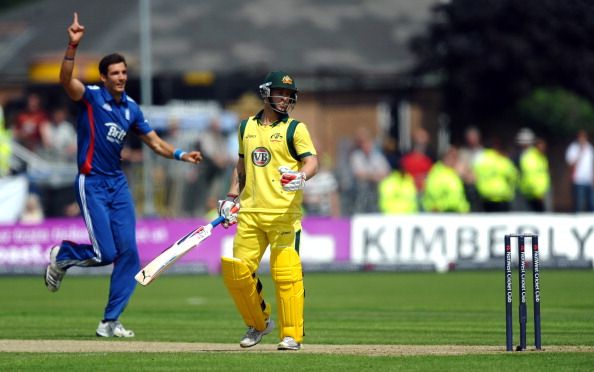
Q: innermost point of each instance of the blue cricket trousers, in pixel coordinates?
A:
(108, 210)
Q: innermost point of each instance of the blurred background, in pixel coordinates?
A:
(380, 82)
(427, 107)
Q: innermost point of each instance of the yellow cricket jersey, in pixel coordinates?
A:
(264, 148)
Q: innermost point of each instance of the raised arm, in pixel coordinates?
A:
(73, 87)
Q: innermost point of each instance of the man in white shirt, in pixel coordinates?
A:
(580, 157)
(368, 166)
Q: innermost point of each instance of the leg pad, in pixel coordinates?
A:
(246, 290)
(287, 274)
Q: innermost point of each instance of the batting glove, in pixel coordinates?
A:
(291, 180)
(225, 207)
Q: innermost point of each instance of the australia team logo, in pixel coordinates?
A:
(276, 137)
(261, 156)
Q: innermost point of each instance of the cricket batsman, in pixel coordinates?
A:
(276, 157)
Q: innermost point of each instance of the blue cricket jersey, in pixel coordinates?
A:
(102, 128)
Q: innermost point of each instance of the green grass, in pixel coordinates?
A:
(293, 362)
(461, 308)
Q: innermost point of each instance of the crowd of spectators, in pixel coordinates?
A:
(474, 177)
(43, 135)
(371, 175)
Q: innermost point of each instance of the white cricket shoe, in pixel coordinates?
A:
(113, 328)
(289, 343)
(53, 274)
(253, 336)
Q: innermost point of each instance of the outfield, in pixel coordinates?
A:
(353, 321)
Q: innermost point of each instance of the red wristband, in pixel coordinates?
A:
(72, 46)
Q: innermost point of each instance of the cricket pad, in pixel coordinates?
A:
(246, 290)
(287, 274)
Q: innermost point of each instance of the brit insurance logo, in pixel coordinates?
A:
(261, 156)
(115, 133)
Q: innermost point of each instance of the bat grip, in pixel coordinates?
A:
(220, 219)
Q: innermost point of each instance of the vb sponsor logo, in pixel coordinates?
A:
(261, 157)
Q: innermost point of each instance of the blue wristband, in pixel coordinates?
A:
(177, 154)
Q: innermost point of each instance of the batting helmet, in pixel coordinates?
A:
(279, 80)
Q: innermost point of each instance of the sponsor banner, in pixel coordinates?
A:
(28, 245)
(471, 240)
(324, 241)
(367, 242)
(24, 248)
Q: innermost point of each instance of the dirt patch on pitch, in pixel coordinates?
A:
(119, 346)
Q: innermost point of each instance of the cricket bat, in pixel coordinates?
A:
(163, 261)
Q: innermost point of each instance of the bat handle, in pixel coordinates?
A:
(220, 219)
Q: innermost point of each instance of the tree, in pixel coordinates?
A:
(489, 54)
(7, 4)
(557, 111)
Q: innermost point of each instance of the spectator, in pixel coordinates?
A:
(58, 146)
(467, 156)
(5, 146)
(444, 189)
(391, 152)
(580, 157)
(320, 196)
(29, 124)
(398, 193)
(496, 178)
(33, 212)
(368, 166)
(169, 195)
(418, 161)
(216, 161)
(59, 137)
(535, 179)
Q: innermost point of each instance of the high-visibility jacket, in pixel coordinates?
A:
(397, 194)
(496, 176)
(534, 174)
(5, 146)
(444, 191)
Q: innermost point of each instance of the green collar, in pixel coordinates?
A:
(283, 118)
